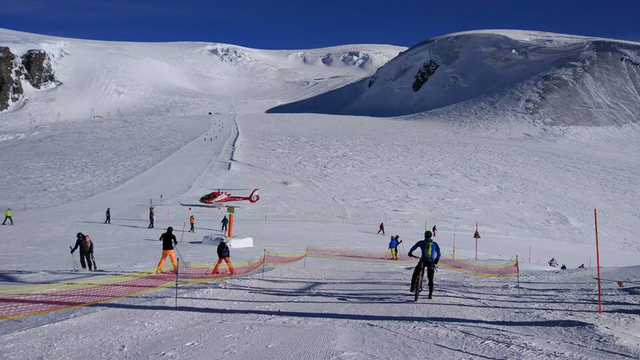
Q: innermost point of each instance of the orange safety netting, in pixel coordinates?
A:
(507, 269)
(26, 300)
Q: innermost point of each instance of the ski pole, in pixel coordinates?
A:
(75, 263)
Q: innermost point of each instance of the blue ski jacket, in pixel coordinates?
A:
(393, 243)
(430, 250)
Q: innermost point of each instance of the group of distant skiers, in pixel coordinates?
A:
(169, 241)
(554, 263)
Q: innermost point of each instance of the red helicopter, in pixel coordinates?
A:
(218, 197)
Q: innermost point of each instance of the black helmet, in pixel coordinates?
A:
(80, 235)
(427, 234)
(170, 229)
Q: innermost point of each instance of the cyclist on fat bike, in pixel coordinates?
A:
(429, 259)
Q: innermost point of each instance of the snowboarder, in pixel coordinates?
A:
(108, 219)
(86, 249)
(192, 221)
(7, 216)
(563, 267)
(553, 262)
(581, 266)
(381, 229)
(224, 222)
(223, 254)
(434, 230)
(429, 259)
(393, 246)
(152, 218)
(168, 242)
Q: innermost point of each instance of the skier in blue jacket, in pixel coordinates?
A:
(430, 257)
(393, 246)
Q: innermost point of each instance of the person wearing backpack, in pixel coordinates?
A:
(429, 259)
(223, 254)
(86, 249)
(192, 221)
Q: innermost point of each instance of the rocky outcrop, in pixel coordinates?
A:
(37, 67)
(10, 85)
(423, 75)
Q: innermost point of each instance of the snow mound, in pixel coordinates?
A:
(561, 79)
(234, 243)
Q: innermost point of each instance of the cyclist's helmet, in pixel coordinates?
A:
(427, 234)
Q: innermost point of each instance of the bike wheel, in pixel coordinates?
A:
(418, 285)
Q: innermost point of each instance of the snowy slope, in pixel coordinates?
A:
(560, 79)
(109, 79)
(324, 180)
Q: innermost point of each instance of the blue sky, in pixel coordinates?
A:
(313, 23)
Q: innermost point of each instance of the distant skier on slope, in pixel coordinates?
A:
(381, 229)
(168, 242)
(223, 254)
(108, 214)
(7, 216)
(86, 249)
(393, 246)
(429, 259)
(224, 222)
(152, 218)
(553, 262)
(192, 222)
(434, 230)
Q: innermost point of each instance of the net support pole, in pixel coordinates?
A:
(177, 271)
(264, 260)
(304, 266)
(454, 246)
(518, 274)
(595, 219)
(529, 253)
(184, 223)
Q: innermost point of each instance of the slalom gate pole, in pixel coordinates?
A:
(266, 213)
(184, 223)
(177, 271)
(305, 258)
(264, 260)
(595, 218)
(529, 253)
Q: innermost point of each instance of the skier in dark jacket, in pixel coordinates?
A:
(108, 219)
(434, 230)
(223, 254)
(152, 218)
(224, 222)
(381, 228)
(430, 257)
(168, 242)
(86, 249)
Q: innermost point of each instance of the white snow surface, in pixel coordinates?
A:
(177, 120)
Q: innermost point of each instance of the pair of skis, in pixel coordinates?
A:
(75, 262)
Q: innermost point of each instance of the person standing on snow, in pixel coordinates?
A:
(152, 218)
(434, 230)
(168, 242)
(224, 222)
(192, 221)
(429, 259)
(381, 229)
(7, 216)
(393, 247)
(108, 219)
(86, 249)
(223, 254)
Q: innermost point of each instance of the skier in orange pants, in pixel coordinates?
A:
(223, 254)
(168, 241)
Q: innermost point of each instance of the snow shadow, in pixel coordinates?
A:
(354, 317)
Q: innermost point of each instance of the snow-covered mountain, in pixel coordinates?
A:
(86, 79)
(559, 79)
